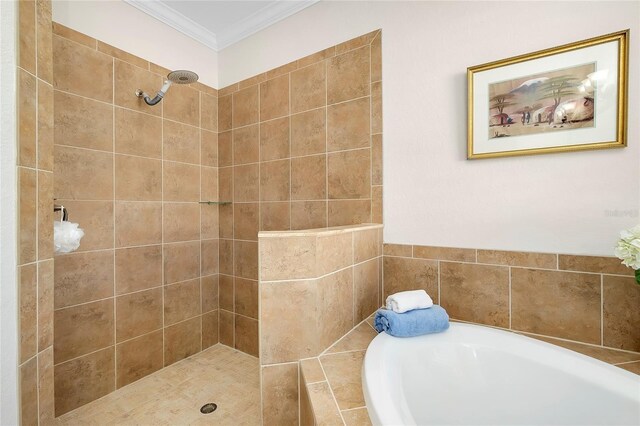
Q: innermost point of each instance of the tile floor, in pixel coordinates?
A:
(174, 395)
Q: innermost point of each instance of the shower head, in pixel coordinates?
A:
(182, 77)
(178, 77)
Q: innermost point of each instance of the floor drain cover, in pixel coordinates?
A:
(208, 408)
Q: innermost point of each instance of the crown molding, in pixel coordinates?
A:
(275, 11)
(176, 20)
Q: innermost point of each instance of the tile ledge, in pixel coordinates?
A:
(334, 230)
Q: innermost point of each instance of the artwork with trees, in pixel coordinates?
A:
(546, 102)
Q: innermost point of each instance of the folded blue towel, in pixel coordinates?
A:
(412, 323)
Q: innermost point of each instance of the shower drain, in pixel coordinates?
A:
(208, 408)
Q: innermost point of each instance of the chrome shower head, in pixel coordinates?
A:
(182, 77)
(178, 77)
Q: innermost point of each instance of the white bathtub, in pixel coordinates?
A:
(474, 375)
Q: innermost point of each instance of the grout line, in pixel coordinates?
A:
(354, 408)
(510, 266)
(113, 254)
(326, 143)
(319, 277)
(332, 394)
(602, 310)
(439, 285)
(510, 306)
(163, 256)
(627, 362)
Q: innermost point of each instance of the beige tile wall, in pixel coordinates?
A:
(141, 292)
(35, 212)
(300, 147)
(585, 299)
(315, 286)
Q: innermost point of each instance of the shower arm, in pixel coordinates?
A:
(163, 91)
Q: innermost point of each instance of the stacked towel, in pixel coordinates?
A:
(413, 323)
(409, 300)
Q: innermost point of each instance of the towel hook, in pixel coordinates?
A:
(64, 214)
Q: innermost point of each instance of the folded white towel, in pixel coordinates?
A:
(408, 300)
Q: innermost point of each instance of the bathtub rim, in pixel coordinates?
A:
(378, 400)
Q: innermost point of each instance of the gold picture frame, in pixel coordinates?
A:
(567, 98)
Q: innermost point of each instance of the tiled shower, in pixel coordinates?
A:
(171, 198)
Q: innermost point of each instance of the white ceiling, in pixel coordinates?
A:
(220, 23)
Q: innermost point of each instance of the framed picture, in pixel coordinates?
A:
(567, 98)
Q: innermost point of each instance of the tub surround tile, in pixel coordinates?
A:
(516, 258)
(401, 274)
(400, 250)
(444, 253)
(596, 264)
(323, 404)
(610, 356)
(343, 372)
(356, 417)
(476, 293)
(312, 370)
(621, 316)
(634, 367)
(561, 304)
(366, 288)
(357, 339)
